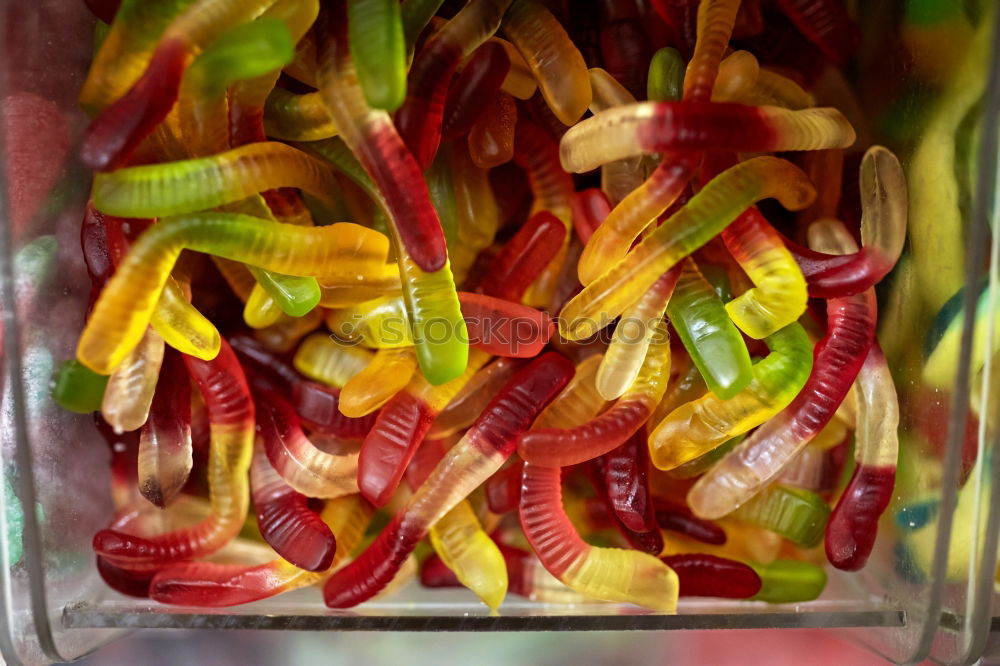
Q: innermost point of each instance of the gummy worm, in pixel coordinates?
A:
(851, 532)
(209, 584)
(375, 33)
(708, 212)
(796, 514)
(479, 454)
(177, 321)
(129, 391)
(401, 426)
(459, 540)
(837, 358)
(695, 428)
(715, 26)
(569, 445)
(709, 336)
(610, 574)
(711, 576)
(419, 119)
(305, 467)
(126, 304)
(522, 259)
(284, 519)
(372, 137)
(463, 409)
(231, 418)
(196, 184)
(387, 374)
(165, 452)
(627, 349)
(656, 127)
(552, 56)
(883, 233)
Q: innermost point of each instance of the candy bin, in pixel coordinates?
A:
(499, 315)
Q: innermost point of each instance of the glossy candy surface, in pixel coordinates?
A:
(475, 457)
(563, 446)
(837, 359)
(653, 127)
(231, 419)
(694, 428)
(424, 294)
(707, 213)
(372, 138)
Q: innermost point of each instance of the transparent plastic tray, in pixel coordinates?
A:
(907, 604)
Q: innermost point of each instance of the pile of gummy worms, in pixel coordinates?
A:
(563, 312)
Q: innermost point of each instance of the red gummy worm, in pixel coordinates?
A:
(710, 576)
(839, 275)
(678, 518)
(590, 207)
(826, 24)
(390, 445)
(837, 359)
(212, 585)
(503, 490)
(544, 521)
(380, 148)
(227, 399)
(468, 464)
(616, 504)
(119, 129)
(853, 525)
(424, 461)
(626, 477)
(169, 413)
(706, 126)
(318, 407)
(285, 520)
(469, 97)
(397, 175)
(419, 119)
(129, 583)
(559, 447)
(435, 573)
(522, 259)
(502, 328)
